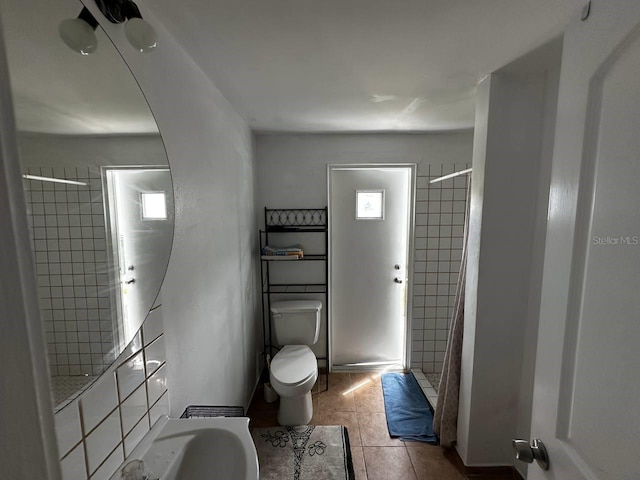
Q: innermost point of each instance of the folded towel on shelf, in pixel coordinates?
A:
(292, 250)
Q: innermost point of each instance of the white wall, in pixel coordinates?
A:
(525, 406)
(43, 150)
(292, 169)
(209, 298)
(514, 129)
(292, 173)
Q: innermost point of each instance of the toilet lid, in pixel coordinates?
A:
(293, 364)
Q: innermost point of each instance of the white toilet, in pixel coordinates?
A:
(294, 369)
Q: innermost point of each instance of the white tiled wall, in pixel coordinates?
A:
(440, 211)
(69, 244)
(97, 431)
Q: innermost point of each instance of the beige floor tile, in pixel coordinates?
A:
(263, 419)
(337, 381)
(261, 413)
(372, 379)
(369, 400)
(258, 403)
(335, 401)
(358, 463)
(388, 463)
(374, 432)
(430, 462)
(348, 419)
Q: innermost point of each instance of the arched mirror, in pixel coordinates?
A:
(98, 191)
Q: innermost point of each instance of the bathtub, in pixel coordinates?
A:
(218, 448)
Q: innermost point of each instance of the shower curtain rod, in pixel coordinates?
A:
(451, 175)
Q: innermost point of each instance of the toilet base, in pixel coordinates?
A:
(295, 410)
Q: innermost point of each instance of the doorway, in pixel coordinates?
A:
(139, 221)
(371, 243)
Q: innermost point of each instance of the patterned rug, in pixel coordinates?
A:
(304, 453)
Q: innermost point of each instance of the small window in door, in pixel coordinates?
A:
(369, 204)
(154, 206)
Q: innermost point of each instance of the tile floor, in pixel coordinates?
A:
(68, 387)
(375, 454)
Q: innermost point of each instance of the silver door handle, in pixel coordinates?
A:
(397, 280)
(528, 453)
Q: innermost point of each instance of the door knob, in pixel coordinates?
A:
(130, 281)
(397, 280)
(528, 453)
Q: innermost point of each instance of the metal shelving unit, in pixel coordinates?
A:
(280, 223)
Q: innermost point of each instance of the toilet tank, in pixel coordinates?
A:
(296, 322)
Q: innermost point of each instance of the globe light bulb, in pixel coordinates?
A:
(78, 36)
(140, 34)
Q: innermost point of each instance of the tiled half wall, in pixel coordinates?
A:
(97, 431)
(440, 212)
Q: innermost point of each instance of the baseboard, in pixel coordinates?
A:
(506, 472)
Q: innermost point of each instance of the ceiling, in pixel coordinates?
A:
(358, 65)
(286, 65)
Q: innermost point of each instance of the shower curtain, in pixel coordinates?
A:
(445, 420)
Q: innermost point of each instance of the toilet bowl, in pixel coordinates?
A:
(293, 374)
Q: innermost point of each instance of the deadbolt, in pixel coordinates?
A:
(396, 266)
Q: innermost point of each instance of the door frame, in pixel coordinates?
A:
(413, 170)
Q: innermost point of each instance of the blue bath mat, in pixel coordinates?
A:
(408, 414)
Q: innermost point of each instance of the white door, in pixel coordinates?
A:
(587, 387)
(370, 217)
(141, 223)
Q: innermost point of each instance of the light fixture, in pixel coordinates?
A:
(140, 34)
(451, 175)
(54, 180)
(79, 33)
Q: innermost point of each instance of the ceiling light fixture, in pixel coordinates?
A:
(451, 175)
(54, 180)
(79, 33)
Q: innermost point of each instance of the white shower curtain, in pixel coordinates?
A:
(445, 421)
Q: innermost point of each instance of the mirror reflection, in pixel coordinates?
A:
(98, 191)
